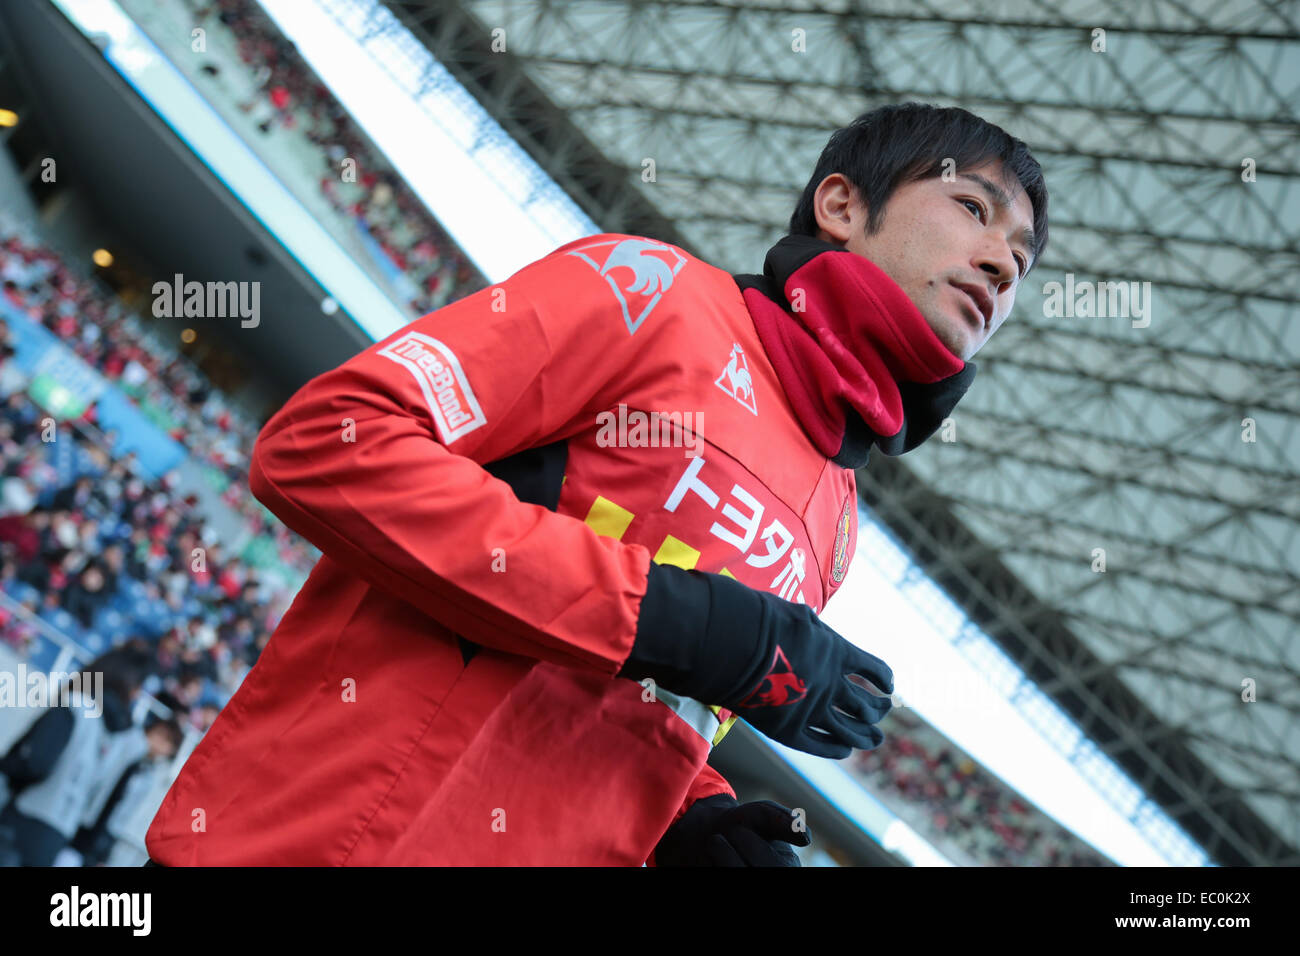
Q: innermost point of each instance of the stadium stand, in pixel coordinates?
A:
(255, 78)
(95, 553)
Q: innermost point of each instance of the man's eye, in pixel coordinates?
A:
(979, 214)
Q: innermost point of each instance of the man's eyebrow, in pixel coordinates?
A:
(999, 197)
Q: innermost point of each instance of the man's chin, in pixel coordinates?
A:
(955, 340)
(953, 331)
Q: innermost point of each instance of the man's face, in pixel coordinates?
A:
(160, 745)
(938, 236)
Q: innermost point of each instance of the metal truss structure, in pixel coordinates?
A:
(1170, 448)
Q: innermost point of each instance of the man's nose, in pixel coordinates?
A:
(998, 263)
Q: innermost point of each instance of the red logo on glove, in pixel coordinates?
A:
(779, 687)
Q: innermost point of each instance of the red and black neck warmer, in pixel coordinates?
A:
(859, 363)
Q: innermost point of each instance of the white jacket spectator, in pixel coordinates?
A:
(12, 378)
(135, 374)
(16, 497)
(61, 799)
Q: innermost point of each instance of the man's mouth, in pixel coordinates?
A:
(979, 300)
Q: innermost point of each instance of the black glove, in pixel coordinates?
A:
(769, 660)
(718, 831)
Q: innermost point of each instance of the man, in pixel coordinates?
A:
(57, 769)
(535, 615)
(109, 814)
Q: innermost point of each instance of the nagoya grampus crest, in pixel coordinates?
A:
(780, 686)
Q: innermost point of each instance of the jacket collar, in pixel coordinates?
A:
(858, 361)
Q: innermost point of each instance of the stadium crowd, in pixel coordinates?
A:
(103, 555)
(170, 390)
(966, 804)
(94, 549)
(291, 96)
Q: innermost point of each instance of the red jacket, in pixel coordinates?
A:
(442, 689)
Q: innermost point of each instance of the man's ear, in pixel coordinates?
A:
(842, 184)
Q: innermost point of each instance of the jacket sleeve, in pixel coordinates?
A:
(378, 463)
(707, 783)
(31, 759)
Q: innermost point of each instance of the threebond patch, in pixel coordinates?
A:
(455, 410)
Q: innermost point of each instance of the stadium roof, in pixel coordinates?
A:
(1169, 440)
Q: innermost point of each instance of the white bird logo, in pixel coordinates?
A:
(650, 275)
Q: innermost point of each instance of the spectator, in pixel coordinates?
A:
(87, 594)
(55, 767)
(95, 841)
(17, 496)
(76, 496)
(12, 378)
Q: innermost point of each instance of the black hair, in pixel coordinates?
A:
(893, 145)
(124, 668)
(170, 726)
(170, 701)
